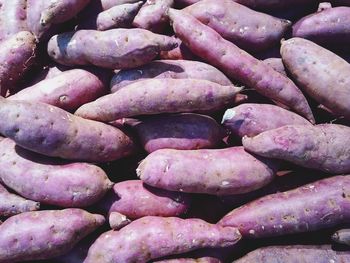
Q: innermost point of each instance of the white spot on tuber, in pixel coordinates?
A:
(224, 183)
(251, 231)
(229, 114)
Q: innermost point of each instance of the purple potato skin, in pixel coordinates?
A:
(184, 131)
(117, 220)
(175, 69)
(328, 204)
(342, 236)
(44, 234)
(11, 204)
(152, 15)
(251, 119)
(51, 131)
(51, 181)
(295, 254)
(316, 69)
(154, 237)
(13, 17)
(68, 90)
(115, 49)
(216, 171)
(328, 27)
(135, 200)
(118, 16)
(181, 52)
(16, 56)
(249, 30)
(237, 63)
(323, 147)
(107, 4)
(154, 96)
(276, 64)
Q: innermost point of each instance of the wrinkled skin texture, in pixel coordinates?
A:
(134, 199)
(328, 204)
(276, 64)
(342, 236)
(219, 171)
(324, 147)
(152, 16)
(175, 69)
(154, 237)
(330, 26)
(68, 90)
(44, 234)
(11, 204)
(250, 119)
(237, 63)
(51, 131)
(115, 49)
(51, 181)
(107, 4)
(117, 220)
(12, 17)
(16, 56)
(43, 13)
(320, 73)
(184, 131)
(295, 254)
(154, 96)
(248, 29)
(118, 16)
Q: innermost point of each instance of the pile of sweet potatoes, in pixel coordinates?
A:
(209, 131)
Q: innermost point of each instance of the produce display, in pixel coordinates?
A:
(174, 131)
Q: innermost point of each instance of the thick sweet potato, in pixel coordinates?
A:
(342, 236)
(238, 64)
(250, 30)
(276, 64)
(152, 15)
(295, 254)
(13, 17)
(54, 132)
(220, 172)
(316, 69)
(117, 220)
(116, 48)
(323, 147)
(134, 199)
(250, 119)
(175, 69)
(154, 96)
(11, 204)
(68, 90)
(16, 56)
(44, 234)
(51, 181)
(329, 26)
(327, 205)
(154, 237)
(118, 16)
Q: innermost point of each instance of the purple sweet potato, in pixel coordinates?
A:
(11, 204)
(321, 204)
(175, 69)
(107, 4)
(320, 73)
(152, 15)
(184, 131)
(295, 254)
(117, 220)
(154, 237)
(51, 181)
(12, 18)
(68, 90)
(44, 13)
(44, 234)
(16, 56)
(180, 52)
(250, 119)
(220, 171)
(276, 64)
(54, 132)
(324, 147)
(237, 63)
(134, 199)
(342, 236)
(118, 16)
(154, 96)
(330, 26)
(115, 49)
(250, 30)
